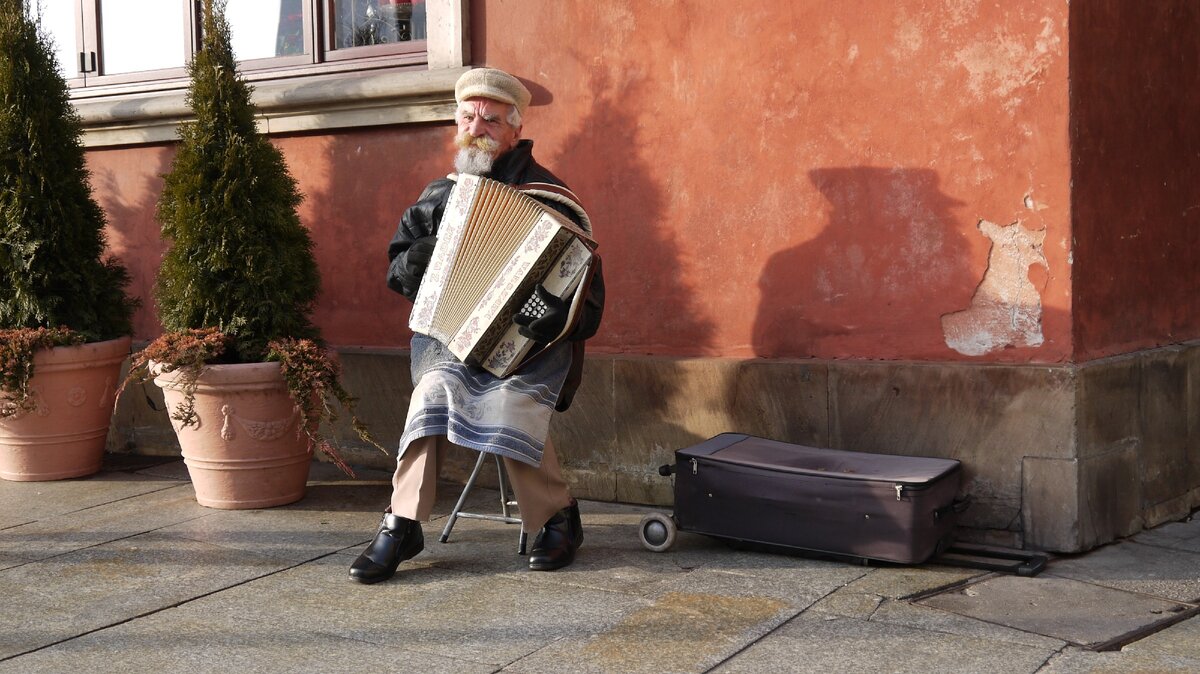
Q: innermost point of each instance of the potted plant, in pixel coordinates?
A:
(65, 320)
(240, 364)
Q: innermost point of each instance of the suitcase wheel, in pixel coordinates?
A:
(657, 532)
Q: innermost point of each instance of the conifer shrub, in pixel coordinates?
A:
(56, 285)
(239, 258)
(239, 279)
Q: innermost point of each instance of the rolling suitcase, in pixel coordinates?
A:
(747, 489)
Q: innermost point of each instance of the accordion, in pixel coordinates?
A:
(495, 244)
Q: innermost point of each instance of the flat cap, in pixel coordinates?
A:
(494, 84)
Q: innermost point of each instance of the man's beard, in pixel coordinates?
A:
(475, 155)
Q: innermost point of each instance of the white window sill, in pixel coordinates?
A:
(301, 104)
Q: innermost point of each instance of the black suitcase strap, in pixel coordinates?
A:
(1027, 564)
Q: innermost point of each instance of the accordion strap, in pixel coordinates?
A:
(574, 313)
(560, 195)
(555, 193)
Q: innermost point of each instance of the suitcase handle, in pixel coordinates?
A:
(666, 469)
(957, 506)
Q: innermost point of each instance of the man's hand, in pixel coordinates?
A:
(543, 328)
(416, 259)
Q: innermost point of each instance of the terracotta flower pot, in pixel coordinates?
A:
(64, 435)
(248, 449)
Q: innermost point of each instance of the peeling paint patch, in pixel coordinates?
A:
(908, 35)
(959, 12)
(1006, 309)
(1003, 65)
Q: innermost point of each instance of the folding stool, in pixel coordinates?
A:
(505, 504)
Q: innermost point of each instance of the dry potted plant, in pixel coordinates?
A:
(245, 377)
(64, 316)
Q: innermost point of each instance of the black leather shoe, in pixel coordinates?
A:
(558, 540)
(399, 538)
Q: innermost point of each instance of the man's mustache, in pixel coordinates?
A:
(465, 140)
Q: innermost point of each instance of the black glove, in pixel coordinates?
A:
(417, 257)
(546, 326)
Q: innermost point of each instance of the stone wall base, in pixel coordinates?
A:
(1057, 457)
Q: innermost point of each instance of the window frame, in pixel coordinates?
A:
(372, 89)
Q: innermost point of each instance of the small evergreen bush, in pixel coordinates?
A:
(239, 280)
(239, 258)
(52, 267)
(56, 286)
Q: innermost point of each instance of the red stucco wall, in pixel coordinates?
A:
(787, 178)
(1135, 99)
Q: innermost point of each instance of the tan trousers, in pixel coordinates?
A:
(540, 491)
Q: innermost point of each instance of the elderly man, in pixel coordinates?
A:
(465, 405)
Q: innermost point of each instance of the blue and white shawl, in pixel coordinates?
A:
(475, 409)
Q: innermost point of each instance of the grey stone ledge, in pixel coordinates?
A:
(299, 104)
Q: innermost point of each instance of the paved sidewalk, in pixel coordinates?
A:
(124, 572)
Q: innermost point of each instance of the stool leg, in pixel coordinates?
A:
(462, 498)
(505, 503)
(503, 491)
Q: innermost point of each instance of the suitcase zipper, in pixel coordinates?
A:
(900, 488)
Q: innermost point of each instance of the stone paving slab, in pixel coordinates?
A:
(612, 558)
(1181, 640)
(59, 534)
(10, 559)
(23, 502)
(1174, 650)
(328, 519)
(189, 640)
(1132, 566)
(1077, 612)
(1183, 535)
(897, 582)
(814, 642)
(12, 518)
(862, 597)
(88, 589)
(794, 592)
(425, 608)
(932, 620)
(679, 632)
(698, 618)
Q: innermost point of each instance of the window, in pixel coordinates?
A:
(314, 63)
(121, 42)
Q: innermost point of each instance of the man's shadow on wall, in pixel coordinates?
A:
(888, 263)
(876, 280)
(630, 414)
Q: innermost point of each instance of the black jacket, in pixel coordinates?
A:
(515, 167)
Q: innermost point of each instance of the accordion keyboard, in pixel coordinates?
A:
(534, 306)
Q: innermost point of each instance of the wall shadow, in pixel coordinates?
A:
(889, 262)
(127, 183)
(635, 415)
(1135, 202)
(356, 184)
(894, 269)
(872, 284)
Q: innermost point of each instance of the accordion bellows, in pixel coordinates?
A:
(495, 244)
